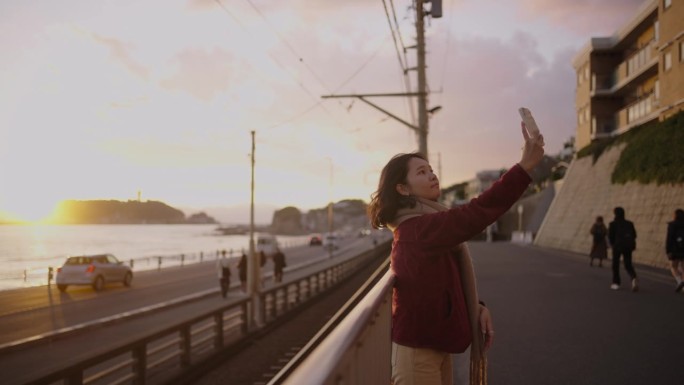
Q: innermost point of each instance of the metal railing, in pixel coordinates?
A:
(171, 352)
(278, 300)
(355, 345)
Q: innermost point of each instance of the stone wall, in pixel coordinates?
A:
(587, 192)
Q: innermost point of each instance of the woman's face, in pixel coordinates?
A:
(420, 180)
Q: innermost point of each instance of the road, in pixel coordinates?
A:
(18, 365)
(557, 322)
(29, 312)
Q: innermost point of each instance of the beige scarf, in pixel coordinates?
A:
(478, 358)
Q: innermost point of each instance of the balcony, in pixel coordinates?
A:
(603, 127)
(635, 67)
(641, 111)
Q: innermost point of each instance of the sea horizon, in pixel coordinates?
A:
(32, 249)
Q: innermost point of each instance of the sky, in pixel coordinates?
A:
(108, 99)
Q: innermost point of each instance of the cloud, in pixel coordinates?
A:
(579, 16)
(201, 5)
(488, 80)
(203, 74)
(227, 78)
(121, 52)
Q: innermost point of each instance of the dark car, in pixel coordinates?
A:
(315, 241)
(93, 270)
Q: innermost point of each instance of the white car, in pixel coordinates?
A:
(93, 270)
(267, 243)
(331, 242)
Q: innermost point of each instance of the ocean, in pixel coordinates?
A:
(27, 251)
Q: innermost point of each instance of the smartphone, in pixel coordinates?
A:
(530, 124)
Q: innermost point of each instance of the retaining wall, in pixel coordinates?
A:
(587, 192)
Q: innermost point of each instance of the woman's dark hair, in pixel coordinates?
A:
(386, 200)
(679, 215)
(599, 219)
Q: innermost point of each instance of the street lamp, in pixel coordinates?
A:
(434, 109)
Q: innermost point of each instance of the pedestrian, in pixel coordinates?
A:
(262, 262)
(435, 306)
(622, 236)
(278, 265)
(599, 244)
(224, 273)
(674, 247)
(242, 272)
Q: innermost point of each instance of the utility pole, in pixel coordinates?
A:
(422, 81)
(421, 129)
(253, 265)
(330, 210)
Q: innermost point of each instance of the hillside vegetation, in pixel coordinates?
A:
(652, 154)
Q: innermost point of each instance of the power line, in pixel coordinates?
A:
(396, 23)
(407, 78)
(352, 76)
(297, 81)
(394, 38)
(448, 47)
(404, 66)
(301, 60)
(299, 57)
(288, 45)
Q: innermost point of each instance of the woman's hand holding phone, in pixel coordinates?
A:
(533, 149)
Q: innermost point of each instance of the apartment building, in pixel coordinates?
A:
(632, 77)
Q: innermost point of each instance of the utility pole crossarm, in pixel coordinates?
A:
(361, 97)
(423, 113)
(373, 95)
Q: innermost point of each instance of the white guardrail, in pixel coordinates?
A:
(356, 350)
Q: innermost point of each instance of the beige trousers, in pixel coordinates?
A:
(414, 366)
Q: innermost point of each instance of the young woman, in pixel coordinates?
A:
(599, 244)
(435, 308)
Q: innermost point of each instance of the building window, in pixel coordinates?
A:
(586, 114)
(656, 90)
(681, 51)
(667, 3)
(667, 61)
(656, 27)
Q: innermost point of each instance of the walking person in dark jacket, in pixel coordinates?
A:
(278, 265)
(242, 272)
(674, 247)
(599, 245)
(622, 237)
(224, 273)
